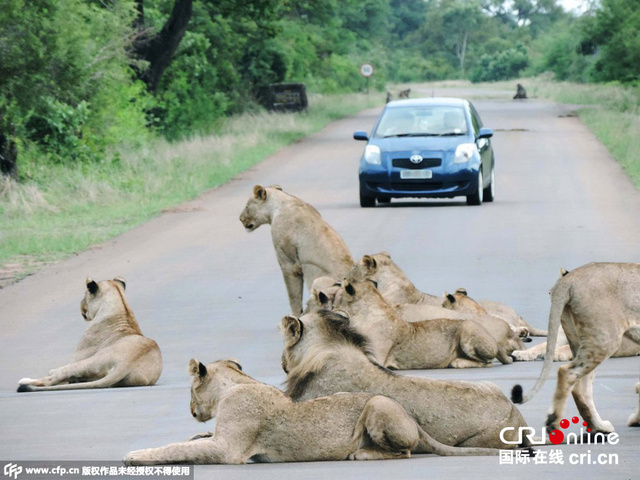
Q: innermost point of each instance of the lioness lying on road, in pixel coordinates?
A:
(397, 289)
(258, 422)
(597, 304)
(111, 353)
(306, 246)
(396, 344)
(323, 354)
(505, 335)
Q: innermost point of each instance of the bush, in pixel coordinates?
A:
(503, 65)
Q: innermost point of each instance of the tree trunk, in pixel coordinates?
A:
(462, 52)
(158, 49)
(8, 156)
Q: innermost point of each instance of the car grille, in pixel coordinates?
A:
(425, 163)
(416, 186)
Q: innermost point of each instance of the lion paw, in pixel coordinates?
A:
(522, 356)
(634, 420)
(563, 357)
(137, 457)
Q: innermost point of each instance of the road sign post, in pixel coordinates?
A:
(366, 70)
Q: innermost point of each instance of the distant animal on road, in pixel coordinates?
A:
(404, 93)
(598, 305)
(111, 353)
(306, 246)
(521, 92)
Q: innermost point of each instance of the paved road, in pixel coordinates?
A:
(204, 288)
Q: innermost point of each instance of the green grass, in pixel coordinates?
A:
(62, 210)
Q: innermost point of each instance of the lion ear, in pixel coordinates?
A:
(292, 328)
(564, 272)
(370, 263)
(259, 192)
(450, 297)
(92, 286)
(349, 289)
(462, 291)
(322, 297)
(234, 363)
(121, 281)
(194, 367)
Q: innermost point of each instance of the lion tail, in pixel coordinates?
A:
(107, 381)
(434, 446)
(560, 296)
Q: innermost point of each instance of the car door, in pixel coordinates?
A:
(483, 144)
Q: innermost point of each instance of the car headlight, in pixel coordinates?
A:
(464, 152)
(372, 155)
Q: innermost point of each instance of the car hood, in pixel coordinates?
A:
(398, 144)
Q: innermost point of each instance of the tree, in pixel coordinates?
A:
(157, 50)
(615, 31)
(462, 18)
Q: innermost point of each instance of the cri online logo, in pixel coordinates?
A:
(556, 436)
(12, 470)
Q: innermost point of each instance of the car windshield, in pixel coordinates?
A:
(422, 121)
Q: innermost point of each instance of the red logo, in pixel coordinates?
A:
(557, 437)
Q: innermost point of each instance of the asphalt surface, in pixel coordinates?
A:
(202, 287)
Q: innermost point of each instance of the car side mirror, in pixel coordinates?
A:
(361, 136)
(485, 133)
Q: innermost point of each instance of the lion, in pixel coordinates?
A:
(396, 288)
(508, 340)
(399, 345)
(111, 353)
(324, 354)
(257, 422)
(306, 246)
(562, 352)
(598, 305)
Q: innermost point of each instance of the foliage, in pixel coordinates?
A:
(63, 64)
(504, 65)
(69, 93)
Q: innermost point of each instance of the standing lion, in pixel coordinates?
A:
(111, 353)
(306, 246)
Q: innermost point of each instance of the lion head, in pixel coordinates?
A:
(108, 293)
(208, 383)
(310, 339)
(257, 211)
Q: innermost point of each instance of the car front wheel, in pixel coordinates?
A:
(476, 198)
(366, 201)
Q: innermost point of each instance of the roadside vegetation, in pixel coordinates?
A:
(63, 209)
(112, 111)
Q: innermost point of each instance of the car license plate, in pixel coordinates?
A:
(416, 174)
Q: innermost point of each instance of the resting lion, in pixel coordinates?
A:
(396, 344)
(598, 305)
(323, 354)
(396, 288)
(306, 246)
(111, 353)
(505, 335)
(257, 422)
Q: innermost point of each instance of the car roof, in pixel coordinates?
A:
(441, 101)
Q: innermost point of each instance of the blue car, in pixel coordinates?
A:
(427, 147)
